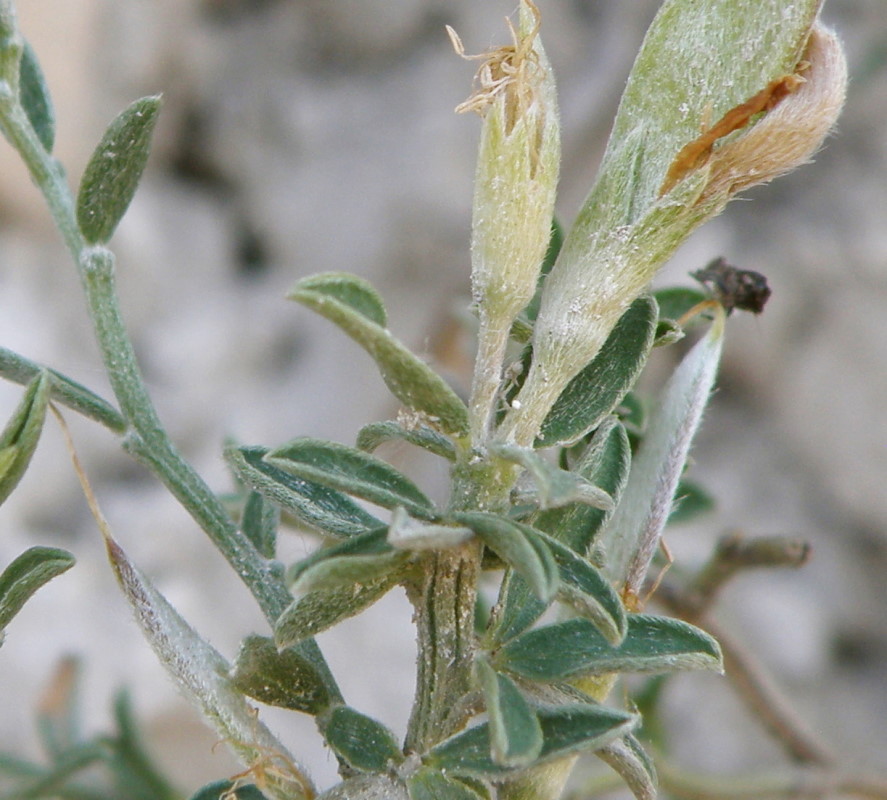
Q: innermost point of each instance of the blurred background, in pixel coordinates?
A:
(311, 135)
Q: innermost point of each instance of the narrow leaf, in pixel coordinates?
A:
(34, 97)
(410, 379)
(319, 610)
(201, 673)
(588, 592)
(278, 677)
(431, 784)
(518, 608)
(377, 433)
(360, 741)
(555, 487)
(346, 469)
(26, 574)
(406, 533)
(19, 438)
(565, 730)
(515, 733)
(64, 390)
(319, 507)
(114, 170)
(371, 543)
(605, 464)
(632, 535)
(598, 388)
(519, 547)
(576, 648)
(259, 523)
(627, 757)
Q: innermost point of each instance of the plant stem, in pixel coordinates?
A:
(146, 438)
(444, 603)
(492, 341)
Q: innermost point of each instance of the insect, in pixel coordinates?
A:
(732, 287)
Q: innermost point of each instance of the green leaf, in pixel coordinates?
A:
(365, 545)
(199, 669)
(278, 677)
(113, 172)
(576, 648)
(629, 759)
(226, 789)
(376, 433)
(26, 574)
(346, 469)
(633, 533)
(588, 592)
(515, 733)
(605, 464)
(412, 535)
(598, 388)
(316, 506)
(319, 610)
(565, 730)
(360, 741)
(65, 391)
(259, 523)
(19, 438)
(518, 546)
(581, 586)
(352, 304)
(555, 487)
(34, 97)
(431, 784)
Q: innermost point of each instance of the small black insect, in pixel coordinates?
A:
(733, 287)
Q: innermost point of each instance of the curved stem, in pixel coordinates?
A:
(146, 437)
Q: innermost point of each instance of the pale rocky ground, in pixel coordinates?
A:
(298, 137)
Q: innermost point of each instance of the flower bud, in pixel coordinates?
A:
(624, 234)
(788, 135)
(515, 184)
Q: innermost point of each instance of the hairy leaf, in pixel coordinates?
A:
(26, 574)
(35, 99)
(113, 173)
(360, 741)
(409, 378)
(628, 757)
(515, 733)
(200, 671)
(518, 546)
(278, 677)
(346, 469)
(19, 438)
(317, 506)
(598, 388)
(376, 433)
(575, 647)
(605, 464)
(565, 730)
(432, 784)
(632, 535)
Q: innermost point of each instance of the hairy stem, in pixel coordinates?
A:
(146, 436)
